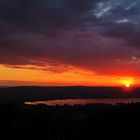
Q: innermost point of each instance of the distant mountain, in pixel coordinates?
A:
(33, 93)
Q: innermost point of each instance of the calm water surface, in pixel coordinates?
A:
(112, 101)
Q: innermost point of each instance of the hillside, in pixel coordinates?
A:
(33, 93)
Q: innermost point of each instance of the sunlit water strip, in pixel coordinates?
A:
(112, 101)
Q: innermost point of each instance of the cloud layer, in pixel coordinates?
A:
(99, 35)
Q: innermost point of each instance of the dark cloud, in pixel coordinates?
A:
(91, 34)
(35, 14)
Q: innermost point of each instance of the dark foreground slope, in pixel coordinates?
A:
(20, 94)
(90, 122)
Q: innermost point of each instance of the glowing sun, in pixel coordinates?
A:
(127, 85)
(127, 82)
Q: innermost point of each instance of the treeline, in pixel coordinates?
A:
(42, 122)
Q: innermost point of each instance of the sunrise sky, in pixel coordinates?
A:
(70, 42)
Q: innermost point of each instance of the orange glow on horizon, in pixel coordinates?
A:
(78, 77)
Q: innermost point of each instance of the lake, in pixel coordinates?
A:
(112, 101)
